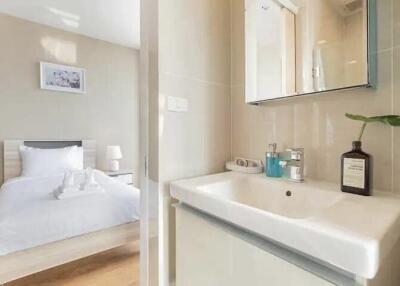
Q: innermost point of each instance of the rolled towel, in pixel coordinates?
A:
(68, 184)
(90, 183)
(70, 189)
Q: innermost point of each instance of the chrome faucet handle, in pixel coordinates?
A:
(297, 154)
(293, 160)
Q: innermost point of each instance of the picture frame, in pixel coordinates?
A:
(62, 78)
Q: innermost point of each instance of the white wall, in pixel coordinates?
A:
(108, 112)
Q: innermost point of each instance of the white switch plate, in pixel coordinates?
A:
(177, 104)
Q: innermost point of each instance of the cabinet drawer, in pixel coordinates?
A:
(230, 256)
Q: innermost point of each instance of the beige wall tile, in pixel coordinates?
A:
(240, 121)
(385, 24)
(238, 44)
(195, 39)
(396, 23)
(194, 63)
(396, 109)
(196, 142)
(107, 113)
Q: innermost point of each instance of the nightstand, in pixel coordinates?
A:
(123, 176)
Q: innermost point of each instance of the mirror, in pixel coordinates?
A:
(298, 47)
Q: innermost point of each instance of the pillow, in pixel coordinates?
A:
(43, 162)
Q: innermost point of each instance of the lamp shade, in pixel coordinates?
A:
(113, 153)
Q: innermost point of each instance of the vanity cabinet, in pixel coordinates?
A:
(214, 254)
(241, 229)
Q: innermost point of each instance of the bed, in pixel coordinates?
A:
(38, 232)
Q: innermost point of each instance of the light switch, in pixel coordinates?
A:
(177, 104)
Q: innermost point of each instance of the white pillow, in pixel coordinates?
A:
(43, 162)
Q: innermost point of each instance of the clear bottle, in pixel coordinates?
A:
(272, 166)
(356, 171)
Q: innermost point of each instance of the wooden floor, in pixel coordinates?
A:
(117, 267)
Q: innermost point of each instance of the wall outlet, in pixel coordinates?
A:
(177, 104)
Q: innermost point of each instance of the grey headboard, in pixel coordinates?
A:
(52, 144)
(12, 159)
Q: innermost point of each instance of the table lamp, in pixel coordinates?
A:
(113, 154)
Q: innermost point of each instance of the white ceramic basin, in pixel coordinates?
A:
(271, 196)
(351, 232)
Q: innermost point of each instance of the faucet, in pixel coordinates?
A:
(292, 161)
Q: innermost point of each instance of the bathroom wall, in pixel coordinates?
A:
(194, 63)
(108, 112)
(317, 122)
(201, 58)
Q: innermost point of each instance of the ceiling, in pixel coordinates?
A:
(115, 21)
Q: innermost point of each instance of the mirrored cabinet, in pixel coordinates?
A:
(299, 47)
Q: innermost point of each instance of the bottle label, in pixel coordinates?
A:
(354, 173)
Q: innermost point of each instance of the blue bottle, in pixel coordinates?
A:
(272, 167)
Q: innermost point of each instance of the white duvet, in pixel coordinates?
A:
(30, 215)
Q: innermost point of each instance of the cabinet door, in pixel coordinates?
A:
(209, 256)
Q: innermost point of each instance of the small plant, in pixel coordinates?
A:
(392, 120)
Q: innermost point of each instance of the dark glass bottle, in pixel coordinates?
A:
(356, 171)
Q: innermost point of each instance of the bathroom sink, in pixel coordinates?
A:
(349, 232)
(289, 200)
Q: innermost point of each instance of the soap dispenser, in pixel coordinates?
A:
(272, 167)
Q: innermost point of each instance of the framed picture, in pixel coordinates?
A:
(62, 78)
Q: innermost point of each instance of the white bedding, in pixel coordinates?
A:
(30, 215)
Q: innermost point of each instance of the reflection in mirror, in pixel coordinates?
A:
(335, 47)
(296, 47)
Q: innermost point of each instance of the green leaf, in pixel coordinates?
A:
(392, 120)
(358, 117)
